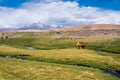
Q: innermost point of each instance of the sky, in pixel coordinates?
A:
(18, 13)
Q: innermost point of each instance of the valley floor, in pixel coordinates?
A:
(51, 56)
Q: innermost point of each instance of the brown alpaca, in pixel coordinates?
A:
(80, 45)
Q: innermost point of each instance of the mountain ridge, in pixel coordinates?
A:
(35, 26)
(41, 27)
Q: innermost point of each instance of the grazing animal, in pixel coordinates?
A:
(80, 45)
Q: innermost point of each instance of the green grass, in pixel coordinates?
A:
(58, 51)
(38, 43)
(110, 45)
(32, 70)
(47, 41)
(67, 56)
(17, 42)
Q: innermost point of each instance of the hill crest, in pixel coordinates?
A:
(91, 27)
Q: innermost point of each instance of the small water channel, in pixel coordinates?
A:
(30, 48)
(112, 73)
(100, 51)
(12, 57)
(117, 74)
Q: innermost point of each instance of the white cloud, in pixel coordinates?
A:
(56, 13)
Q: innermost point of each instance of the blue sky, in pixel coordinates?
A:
(105, 4)
(18, 13)
(12, 3)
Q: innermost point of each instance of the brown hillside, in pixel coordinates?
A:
(92, 27)
(77, 28)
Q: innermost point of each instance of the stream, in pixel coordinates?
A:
(117, 74)
(30, 48)
(99, 51)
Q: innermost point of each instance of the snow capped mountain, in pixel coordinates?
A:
(34, 26)
(37, 26)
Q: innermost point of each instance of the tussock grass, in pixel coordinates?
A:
(66, 56)
(59, 51)
(104, 44)
(48, 41)
(31, 70)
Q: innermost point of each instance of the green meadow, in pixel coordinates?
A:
(55, 57)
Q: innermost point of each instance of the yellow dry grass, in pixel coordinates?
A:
(13, 69)
(70, 56)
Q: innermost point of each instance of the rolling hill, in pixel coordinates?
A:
(91, 27)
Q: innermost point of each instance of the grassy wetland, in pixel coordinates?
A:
(55, 57)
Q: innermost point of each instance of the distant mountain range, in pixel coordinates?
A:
(34, 26)
(38, 26)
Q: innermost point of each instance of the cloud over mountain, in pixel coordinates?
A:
(55, 12)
